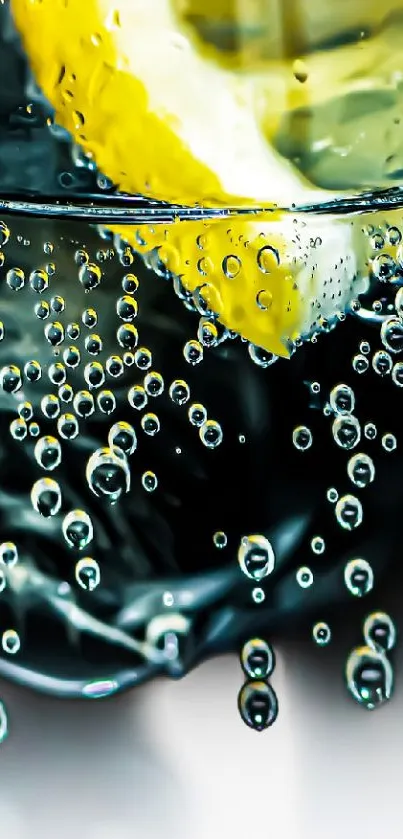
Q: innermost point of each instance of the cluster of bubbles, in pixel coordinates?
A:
(257, 700)
(369, 672)
(257, 561)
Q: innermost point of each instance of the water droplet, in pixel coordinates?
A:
(108, 473)
(349, 513)
(149, 481)
(304, 577)
(197, 414)
(369, 677)
(211, 434)
(389, 442)
(46, 497)
(257, 659)
(87, 573)
(150, 424)
(342, 400)
(78, 529)
(346, 432)
(359, 577)
(8, 554)
(318, 545)
(123, 436)
(392, 334)
(89, 275)
(302, 438)
(10, 641)
(379, 631)
(321, 633)
(382, 363)
(361, 470)
(256, 557)
(179, 392)
(258, 706)
(220, 539)
(48, 453)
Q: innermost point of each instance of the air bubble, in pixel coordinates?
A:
(382, 363)
(392, 335)
(389, 442)
(89, 318)
(94, 374)
(397, 373)
(32, 371)
(46, 497)
(179, 392)
(193, 352)
(108, 473)
(15, 279)
(361, 470)
(258, 706)
(268, 259)
(71, 357)
(106, 402)
(359, 577)
(143, 358)
(18, 429)
(90, 276)
(83, 403)
(39, 280)
(369, 677)
(87, 573)
(127, 336)
(50, 406)
(211, 434)
(10, 641)
(58, 304)
(57, 373)
(256, 557)
(149, 481)
(54, 333)
(342, 400)
(318, 545)
(8, 554)
(346, 431)
(302, 438)
(207, 333)
(137, 397)
(304, 577)
(197, 414)
(10, 379)
(370, 431)
(261, 357)
(126, 308)
(379, 632)
(231, 266)
(349, 513)
(321, 634)
(93, 344)
(48, 453)
(4, 234)
(220, 539)
(67, 426)
(257, 659)
(78, 529)
(123, 436)
(154, 384)
(150, 424)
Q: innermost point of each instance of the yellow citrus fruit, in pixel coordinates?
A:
(164, 115)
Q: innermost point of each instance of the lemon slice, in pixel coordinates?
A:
(162, 119)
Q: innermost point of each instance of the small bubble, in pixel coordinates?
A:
(359, 577)
(370, 431)
(369, 677)
(106, 402)
(15, 279)
(93, 344)
(67, 426)
(211, 434)
(231, 266)
(256, 557)
(108, 473)
(34, 429)
(207, 333)
(321, 634)
(342, 400)
(399, 303)
(382, 363)
(304, 577)
(261, 357)
(302, 438)
(78, 529)
(389, 442)
(72, 357)
(32, 371)
(123, 436)
(42, 310)
(379, 632)
(318, 545)
(149, 481)
(258, 705)
(154, 384)
(268, 259)
(57, 373)
(65, 393)
(258, 595)
(150, 424)
(257, 659)
(193, 352)
(393, 236)
(220, 539)
(179, 392)
(50, 406)
(46, 497)
(54, 333)
(83, 403)
(48, 453)
(143, 358)
(137, 397)
(89, 318)
(346, 431)
(81, 257)
(130, 283)
(332, 495)
(94, 374)
(365, 347)
(87, 573)
(10, 641)
(4, 234)
(127, 336)
(197, 414)
(349, 512)
(392, 334)
(10, 379)
(8, 554)
(397, 373)
(39, 280)
(58, 304)
(361, 470)
(73, 331)
(383, 267)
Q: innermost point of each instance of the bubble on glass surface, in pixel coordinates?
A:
(18, 429)
(382, 363)
(389, 442)
(89, 318)
(149, 481)
(359, 577)
(379, 631)
(50, 406)
(220, 539)
(179, 392)
(261, 357)
(8, 554)
(137, 397)
(108, 473)
(321, 633)
(302, 438)
(231, 266)
(207, 333)
(384, 267)
(42, 310)
(10, 641)
(197, 414)
(77, 529)
(346, 431)
(123, 436)
(54, 333)
(46, 497)
(83, 403)
(304, 577)
(143, 358)
(34, 429)
(256, 557)
(257, 659)
(318, 545)
(32, 371)
(361, 470)
(332, 495)
(10, 378)
(211, 434)
(258, 705)
(87, 573)
(48, 452)
(89, 275)
(57, 373)
(39, 280)
(67, 426)
(342, 399)
(392, 334)
(72, 356)
(349, 512)
(15, 279)
(94, 374)
(150, 424)
(126, 308)
(106, 402)
(369, 677)
(93, 344)
(370, 431)
(193, 352)
(154, 384)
